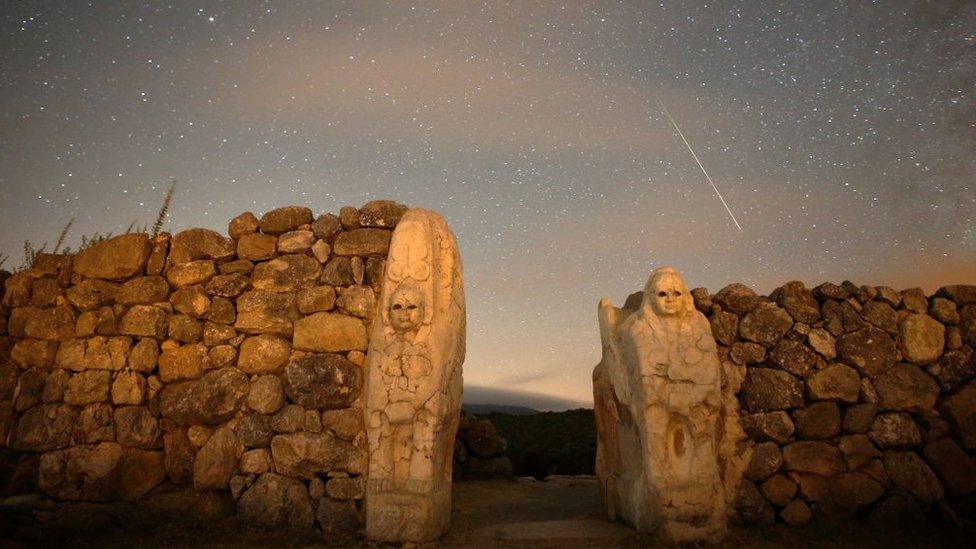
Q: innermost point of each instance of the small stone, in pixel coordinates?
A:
(921, 338)
(285, 273)
(822, 342)
(222, 311)
(290, 419)
(215, 462)
(912, 476)
(381, 213)
(241, 225)
(54, 386)
(956, 469)
(199, 244)
(160, 251)
(796, 513)
(316, 299)
(313, 422)
(747, 352)
(180, 363)
(263, 354)
(321, 251)
(228, 285)
(282, 220)
(185, 329)
(235, 267)
(338, 272)
(255, 462)
(836, 382)
(295, 242)
(145, 321)
(255, 431)
(326, 228)
(344, 423)
(870, 350)
(211, 400)
(772, 426)
(179, 456)
(55, 324)
(221, 356)
(329, 332)
(798, 302)
(217, 334)
(322, 381)
(765, 324)
(316, 488)
(144, 290)
(736, 298)
(349, 217)
(765, 461)
(266, 395)
(198, 435)
(906, 387)
(894, 430)
(955, 368)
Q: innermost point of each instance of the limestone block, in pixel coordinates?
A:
(263, 354)
(266, 395)
(181, 363)
(245, 223)
(906, 387)
(326, 228)
(413, 373)
(836, 382)
(290, 419)
(217, 460)
(45, 427)
(894, 430)
(329, 332)
(210, 400)
(286, 273)
(199, 244)
(55, 324)
(144, 290)
(117, 258)
(90, 294)
(255, 462)
(921, 338)
(256, 247)
(96, 423)
(322, 381)
(306, 455)
(794, 357)
(190, 273)
(228, 285)
(282, 220)
(128, 388)
(736, 298)
(145, 321)
(276, 501)
(295, 242)
(766, 389)
(266, 312)
(144, 356)
(137, 427)
(816, 457)
(381, 213)
(316, 299)
(88, 387)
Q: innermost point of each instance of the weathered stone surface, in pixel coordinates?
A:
(128, 388)
(914, 300)
(306, 454)
(822, 342)
(228, 285)
(30, 388)
(349, 217)
(870, 350)
(326, 228)
(282, 220)
(91, 294)
(245, 223)
(255, 462)
(88, 387)
(911, 475)
(921, 338)
(290, 419)
(144, 356)
(906, 387)
(145, 321)
(858, 450)
(345, 488)
(766, 459)
(263, 354)
(217, 460)
(160, 251)
(316, 299)
(773, 426)
(55, 324)
(322, 381)
(881, 315)
(55, 384)
(955, 368)
(338, 272)
(136, 427)
(381, 213)
(849, 492)
(358, 301)
(736, 298)
(796, 513)
(956, 469)
(215, 335)
(276, 501)
(117, 258)
(794, 357)
(180, 363)
(818, 421)
(185, 329)
(798, 301)
(33, 353)
(362, 242)
(45, 427)
(960, 410)
(894, 430)
(836, 382)
(191, 300)
(778, 490)
(944, 310)
(96, 423)
(747, 352)
(967, 324)
(266, 396)
(255, 431)
(961, 294)
(266, 312)
(191, 273)
(725, 327)
(178, 456)
(295, 242)
(329, 332)
(102, 472)
(345, 423)
(287, 273)
(222, 311)
(765, 324)
(321, 251)
(144, 290)
(859, 417)
(257, 247)
(766, 389)
(813, 457)
(211, 400)
(199, 244)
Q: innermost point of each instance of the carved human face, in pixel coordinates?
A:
(406, 310)
(668, 296)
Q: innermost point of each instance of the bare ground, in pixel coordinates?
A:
(560, 512)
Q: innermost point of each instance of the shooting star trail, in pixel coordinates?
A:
(695, 156)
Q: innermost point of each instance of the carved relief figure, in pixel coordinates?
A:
(661, 411)
(413, 387)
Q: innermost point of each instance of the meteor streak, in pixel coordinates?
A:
(695, 156)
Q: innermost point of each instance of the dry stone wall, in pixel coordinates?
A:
(231, 364)
(857, 400)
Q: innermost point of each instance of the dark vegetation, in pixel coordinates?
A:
(549, 443)
(31, 250)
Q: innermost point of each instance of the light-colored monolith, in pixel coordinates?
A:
(413, 388)
(667, 452)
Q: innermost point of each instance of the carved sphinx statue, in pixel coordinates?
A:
(667, 431)
(413, 383)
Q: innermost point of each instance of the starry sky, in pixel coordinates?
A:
(841, 134)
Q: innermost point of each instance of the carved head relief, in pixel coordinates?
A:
(667, 293)
(406, 309)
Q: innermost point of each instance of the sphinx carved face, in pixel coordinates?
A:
(668, 294)
(406, 309)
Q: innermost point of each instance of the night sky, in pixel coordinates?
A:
(841, 134)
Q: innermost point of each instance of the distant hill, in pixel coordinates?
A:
(549, 443)
(479, 394)
(484, 409)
